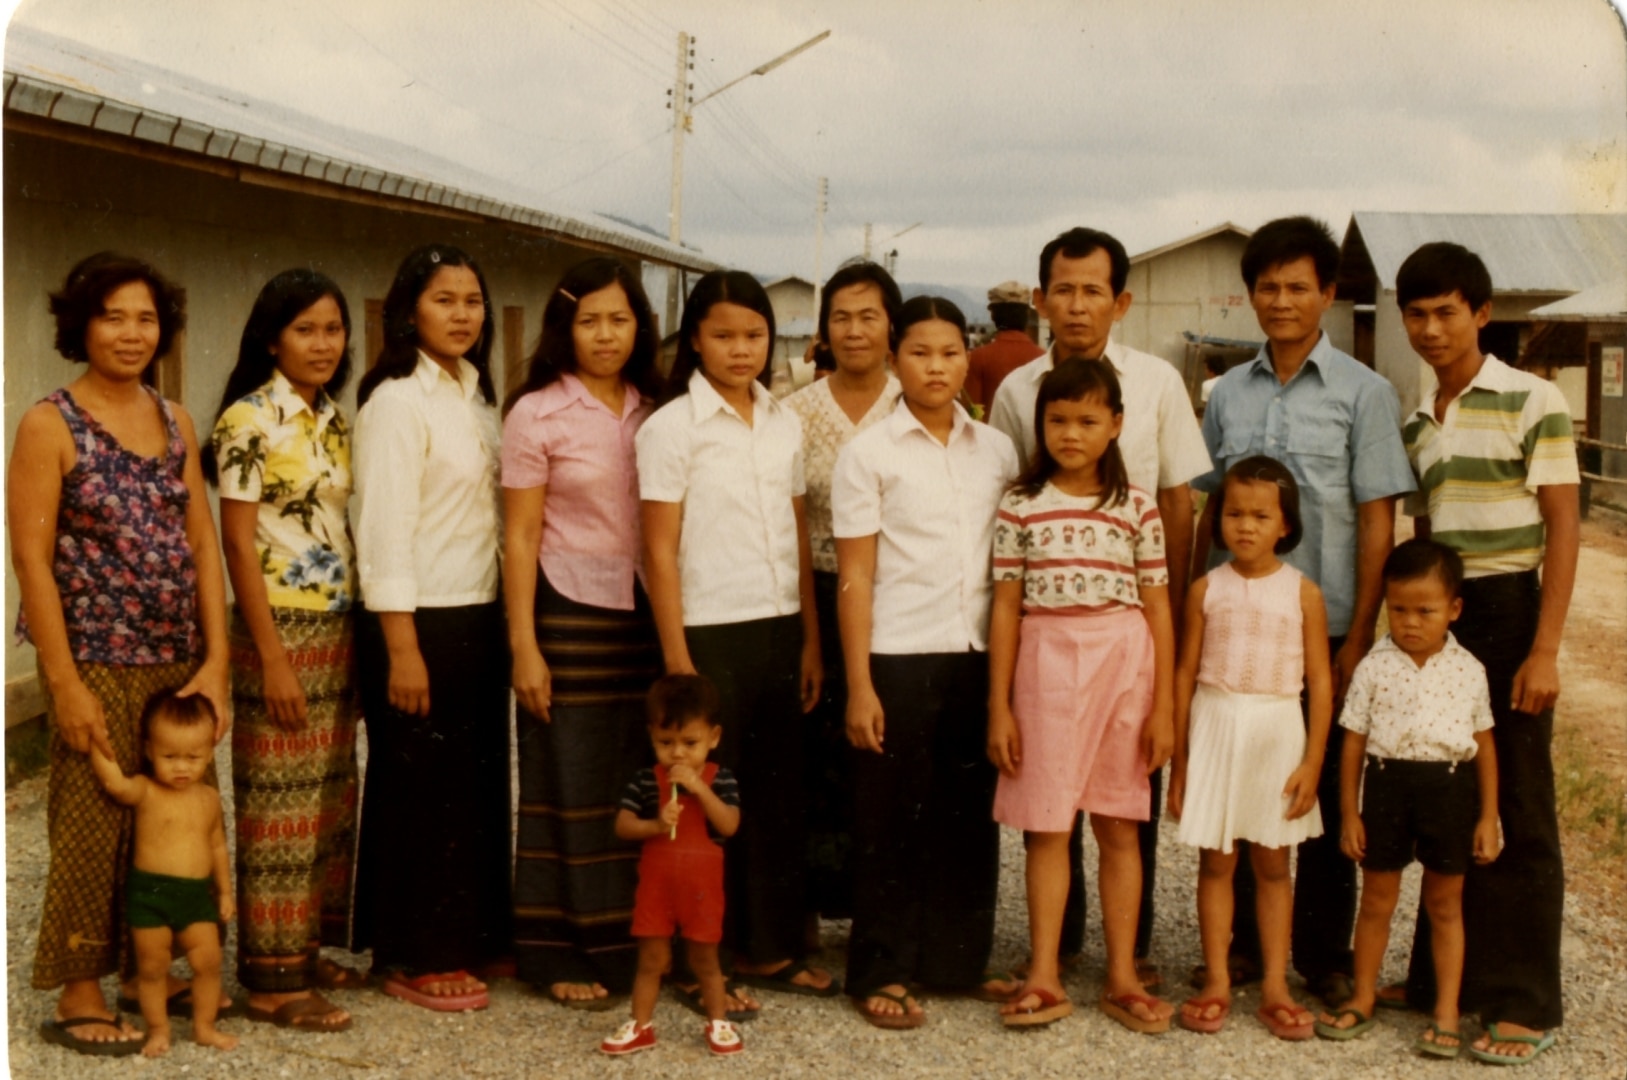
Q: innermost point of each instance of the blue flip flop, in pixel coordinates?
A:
(1538, 1043)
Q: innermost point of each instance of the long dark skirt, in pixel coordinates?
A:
(757, 668)
(432, 876)
(573, 879)
(926, 847)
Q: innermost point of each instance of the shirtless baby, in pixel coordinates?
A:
(179, 888)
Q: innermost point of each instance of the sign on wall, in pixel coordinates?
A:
(1610, 373)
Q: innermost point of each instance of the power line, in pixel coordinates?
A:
(636, 63)
(605, 164)
(661, 42)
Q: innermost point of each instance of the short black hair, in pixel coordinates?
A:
(167, 705)
(1440, 269)
(1009, 316)
(861, 273)
(1416, 558)
(1287, 239)
(675, 700)
(1260, 469)
(87, 288)
(1080, 243)
(1214, 364)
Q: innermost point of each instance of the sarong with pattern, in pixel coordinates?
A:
(295, 793)
(573, 879)
(91, 837)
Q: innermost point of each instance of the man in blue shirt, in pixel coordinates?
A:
(1336, 424)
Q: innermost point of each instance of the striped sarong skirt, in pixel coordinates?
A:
(573, 879)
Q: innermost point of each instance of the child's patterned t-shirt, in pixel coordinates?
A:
(1070, 553)
(1413, 713)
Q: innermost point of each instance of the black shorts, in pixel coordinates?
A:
(1422, 808)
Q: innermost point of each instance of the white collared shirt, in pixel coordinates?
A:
(738, 556)
(426, 509)
(1413, 713)
(1161, 443)
(931, 508)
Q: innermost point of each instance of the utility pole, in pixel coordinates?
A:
(819, 240)
(867, 241)
(683, 120)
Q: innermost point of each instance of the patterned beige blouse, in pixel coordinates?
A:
(825, 430)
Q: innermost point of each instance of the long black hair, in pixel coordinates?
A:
(713, 288)
(556, 349)
(1076, 380)
(399, 357)
(280, 302)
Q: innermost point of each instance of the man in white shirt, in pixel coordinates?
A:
(1081, 293)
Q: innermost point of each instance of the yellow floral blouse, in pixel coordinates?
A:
(274, 449)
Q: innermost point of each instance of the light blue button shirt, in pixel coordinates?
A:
(1337, 426)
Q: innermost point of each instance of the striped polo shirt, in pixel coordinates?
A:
(1507, 434)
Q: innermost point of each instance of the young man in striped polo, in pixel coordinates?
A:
(1497, 478)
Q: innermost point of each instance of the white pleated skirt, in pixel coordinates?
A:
(1241, 750)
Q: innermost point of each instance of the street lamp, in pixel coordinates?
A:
(683, 117)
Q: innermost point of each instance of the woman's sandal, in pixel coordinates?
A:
(1204, 1025)
(308, 1013)
(1118, 1007)
(412, 990)
(332, 975)
(690, 998)
(1051, 1008)
(1285, 1020)
(889, 1021)
(1433, 1045)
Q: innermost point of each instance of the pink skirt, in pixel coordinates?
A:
(1081, 694)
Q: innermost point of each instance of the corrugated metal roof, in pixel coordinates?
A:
(1223, 227)
(1524, 252)
(1601, 303)
(53, 77)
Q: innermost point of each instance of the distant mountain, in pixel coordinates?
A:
(973, 305)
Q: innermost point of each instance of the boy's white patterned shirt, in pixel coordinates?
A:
(1413, 713)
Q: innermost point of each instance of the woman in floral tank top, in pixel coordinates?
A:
(122, 596)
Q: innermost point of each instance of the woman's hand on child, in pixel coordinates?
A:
(214, 681)
(1353, 838)
(284, 696)
(865, 720)
(80, 719)
(533, 684)
(1005, 741)
(1300, 791)
(1488, 841)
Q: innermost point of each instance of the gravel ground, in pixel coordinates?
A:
(523, 1034)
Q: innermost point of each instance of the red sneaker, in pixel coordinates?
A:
(722, 1038)
(630, 1038)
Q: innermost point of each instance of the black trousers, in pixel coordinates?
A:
(757, 667)
(432, 875)
(1074, 914)
(1513, 910)
(828, 772)
(926, 846)
(1324, 883)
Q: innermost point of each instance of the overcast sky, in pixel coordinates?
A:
(994, 124)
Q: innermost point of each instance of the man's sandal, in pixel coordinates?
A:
(1538, 1043)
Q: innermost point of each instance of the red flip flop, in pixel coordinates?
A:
(1281, 1020)
(1117, 1006)
(1210, 1025)
(1051, 1008)
(413, 990)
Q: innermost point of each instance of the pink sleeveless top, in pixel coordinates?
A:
(1253, 632)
